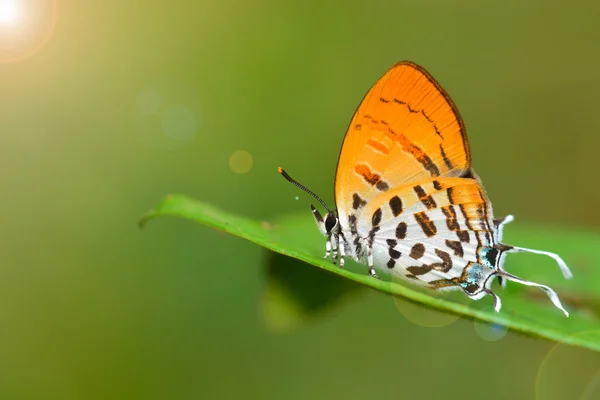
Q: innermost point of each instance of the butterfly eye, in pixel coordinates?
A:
(330, 222)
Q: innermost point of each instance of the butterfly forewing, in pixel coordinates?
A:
(406, 129)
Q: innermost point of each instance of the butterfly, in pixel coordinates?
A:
(408, 202)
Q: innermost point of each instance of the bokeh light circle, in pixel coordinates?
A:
(241, 162)
(489, 331)
(25, 27)
(179, 122)
(148, 102)
(569, 372)
(425, 316)
(166, 115)
(592, 391)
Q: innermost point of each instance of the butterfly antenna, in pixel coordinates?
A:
(299, 185)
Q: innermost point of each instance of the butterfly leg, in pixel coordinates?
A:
(370, 263)
(334, 247)
(497, 301)
(342, 251)
(327, 248)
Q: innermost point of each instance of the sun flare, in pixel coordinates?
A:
(9, 12)
(25, 26)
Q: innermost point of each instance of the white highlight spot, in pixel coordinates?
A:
(240, 162)
(10, 12)
(148, 102)
(297, 197)
(179, 122)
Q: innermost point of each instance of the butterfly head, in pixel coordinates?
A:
(328, 225)
(331, 222)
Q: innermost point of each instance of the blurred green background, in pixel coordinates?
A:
(131, 100)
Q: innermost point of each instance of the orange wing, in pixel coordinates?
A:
(406, 129)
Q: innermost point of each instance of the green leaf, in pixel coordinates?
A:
(526, 310)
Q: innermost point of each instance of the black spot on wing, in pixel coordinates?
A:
(450, 215)
(401, 230)
(419, 270)
(376, 219)
(395, 254)
(463, 236)
(396, 205)
(456, 246)
(354, 233)
(417, 251)
(426, 199)
(446, 264)
(352, 222)
(426, 224)
(382, 186)
(357, 201)
(371, 177)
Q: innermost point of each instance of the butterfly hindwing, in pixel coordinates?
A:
(428, 231)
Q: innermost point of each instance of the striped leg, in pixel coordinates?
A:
(497, 301)
(342, 251)
(327, 248)
(370, 263)
(334, 247)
